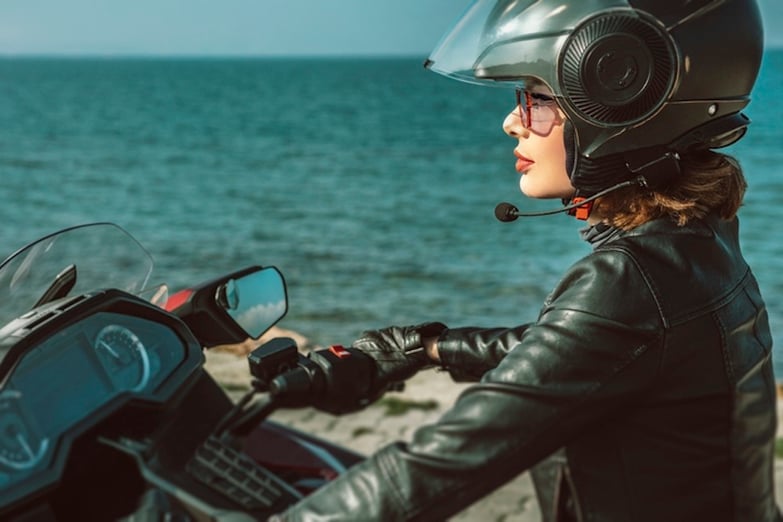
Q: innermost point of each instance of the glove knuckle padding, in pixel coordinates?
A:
(397, 350)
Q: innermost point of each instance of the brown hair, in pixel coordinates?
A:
(709, 182)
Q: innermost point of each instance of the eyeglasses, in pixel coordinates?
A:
(537, 112)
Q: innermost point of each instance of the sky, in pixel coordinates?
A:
(244, 27)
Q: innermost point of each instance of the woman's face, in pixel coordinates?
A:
(541, 158)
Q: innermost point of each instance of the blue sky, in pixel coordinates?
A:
(243, 27)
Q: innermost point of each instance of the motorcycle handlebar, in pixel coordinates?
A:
(336, 379)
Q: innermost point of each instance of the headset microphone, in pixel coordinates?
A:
(507, 212)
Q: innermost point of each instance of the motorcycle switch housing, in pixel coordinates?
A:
(273, 358)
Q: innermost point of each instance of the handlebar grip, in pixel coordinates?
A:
(293, 383)
(336, 380)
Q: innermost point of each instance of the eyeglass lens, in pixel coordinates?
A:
(539, 117)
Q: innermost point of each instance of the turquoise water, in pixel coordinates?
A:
(370, 183)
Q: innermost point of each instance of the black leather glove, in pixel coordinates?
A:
(397, 351)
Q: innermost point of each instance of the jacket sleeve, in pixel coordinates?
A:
(468, 353)
(588, 354)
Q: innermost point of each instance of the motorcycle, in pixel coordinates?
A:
(107, 411)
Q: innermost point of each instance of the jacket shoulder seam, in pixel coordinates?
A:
(648, 280)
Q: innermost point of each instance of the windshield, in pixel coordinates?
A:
(71, 262)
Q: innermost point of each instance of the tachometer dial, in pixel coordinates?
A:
(20, 448)
(124, 357)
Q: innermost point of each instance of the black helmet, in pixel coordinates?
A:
(639, 80)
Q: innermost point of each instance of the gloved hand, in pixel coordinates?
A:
(397, 351)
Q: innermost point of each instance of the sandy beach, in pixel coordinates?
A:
(395, 417)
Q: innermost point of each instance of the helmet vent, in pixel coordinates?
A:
(617, 69)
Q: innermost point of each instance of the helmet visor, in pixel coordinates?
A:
(512, 42)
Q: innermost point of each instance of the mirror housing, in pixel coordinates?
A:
(234, 307)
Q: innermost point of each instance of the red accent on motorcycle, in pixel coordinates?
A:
(177, 300)
(339, 351)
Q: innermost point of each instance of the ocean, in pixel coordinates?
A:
(370, 183)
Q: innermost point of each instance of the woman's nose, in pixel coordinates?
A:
(512, 125)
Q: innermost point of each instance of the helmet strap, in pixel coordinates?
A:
(581, 206)
(595, 177)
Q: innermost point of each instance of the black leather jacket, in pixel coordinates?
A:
(650, 364)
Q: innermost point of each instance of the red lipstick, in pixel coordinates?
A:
(523, 163)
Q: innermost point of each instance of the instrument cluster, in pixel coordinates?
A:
(72, 374)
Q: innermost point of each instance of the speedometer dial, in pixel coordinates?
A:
(20, 448)
(124, 357)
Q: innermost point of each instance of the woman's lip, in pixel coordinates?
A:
(523, 163)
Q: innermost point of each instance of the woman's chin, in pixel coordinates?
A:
(535, 191)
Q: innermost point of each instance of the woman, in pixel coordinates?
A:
(644, 390)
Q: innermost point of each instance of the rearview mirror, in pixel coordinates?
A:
(233, 308)
(256, 301)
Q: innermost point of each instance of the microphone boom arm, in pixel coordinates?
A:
(507, 212)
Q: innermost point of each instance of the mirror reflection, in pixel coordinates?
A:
(255, 301)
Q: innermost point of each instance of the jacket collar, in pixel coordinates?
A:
(599, 234)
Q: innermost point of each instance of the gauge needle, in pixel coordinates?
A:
(23, 443)
(109, 349)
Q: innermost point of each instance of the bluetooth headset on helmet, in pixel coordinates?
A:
(640, 81)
